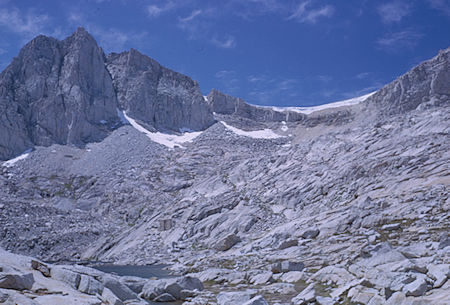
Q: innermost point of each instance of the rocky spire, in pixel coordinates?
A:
(56, 92)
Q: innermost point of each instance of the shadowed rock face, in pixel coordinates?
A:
(160, 97)
(56, 92)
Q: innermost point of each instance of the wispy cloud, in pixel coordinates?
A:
(154, 10)
(248, 9)
(394, 11)
(227, 42)
(111, 39)
(324, 78)
(27, 24)
(196, 25)
(397, 41)
(441, 5)
(267, 91)
(305, 13)
(257, 78)
(199, 25)
(360, 92)
(191, 17)
(266, 5)
(228, 79)
(362, 75)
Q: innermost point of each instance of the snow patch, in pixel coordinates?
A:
(205, 98)
(256, 134)
(309, 110)
(13, 161)
(165, 139)
(121, 115)
(284, 126)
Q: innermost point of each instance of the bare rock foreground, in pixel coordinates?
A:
(128, 163)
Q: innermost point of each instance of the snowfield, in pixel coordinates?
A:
(169, 140)
(13, 161)
(309, 110)
(256, 134)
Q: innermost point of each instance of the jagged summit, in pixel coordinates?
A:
(70, 92)
(349, 198)
(61, 92)
(56, 92)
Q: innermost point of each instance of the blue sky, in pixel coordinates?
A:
(269, 52)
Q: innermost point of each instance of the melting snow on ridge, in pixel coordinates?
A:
(308, 110)
(256, 134)
(13, 161)
(165, 139)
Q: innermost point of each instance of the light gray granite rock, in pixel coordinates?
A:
(157, 96)
(56, 92)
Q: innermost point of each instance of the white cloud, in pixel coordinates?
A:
(227, 42)
(229, 80)
(110, 39)
(266, 5)
(304, 14)
(154, 10)
(396, 41)
(441, 5)
(76, 17)
(267, 91)
(250, 8)
(225, 74)
(114, 40)
(257, 78)
(362, 75)
(28, 25)
(325, 78)
(356, 93)
(3, 51)
(394, 11)
(286, 84)
(197, 25)
(191, 16)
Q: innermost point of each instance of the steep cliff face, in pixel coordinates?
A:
(427, 83)
(56, 92)
(62, 92)
(159, 97)
(69, 92)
